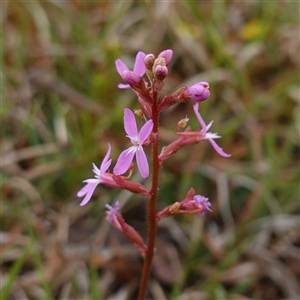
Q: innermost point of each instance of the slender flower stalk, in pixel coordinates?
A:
(152, 221)
(147, 79)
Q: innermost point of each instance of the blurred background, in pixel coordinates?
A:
(61, 106)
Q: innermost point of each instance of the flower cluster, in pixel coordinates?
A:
(146, 80)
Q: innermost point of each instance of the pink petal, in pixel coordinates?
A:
(139, 65)
(218, 148)
(131, 78)
(88, 191)
(124, 161)
(121, 67)
(106, 161)
(167, 55)
(123, 86)
(201, 121)
(112, 211)
(145, 131)
(96, 170)
(142, 162)
(130, 123)
(199, 91)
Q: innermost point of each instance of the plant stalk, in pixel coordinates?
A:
(151, 205)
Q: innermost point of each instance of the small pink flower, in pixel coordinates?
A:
(198, 203)
(202, 202)
(192, 204)
(204, 135)
(199, 91)
(112, 214)
(101, 177)
(139, 69)
(137, 140)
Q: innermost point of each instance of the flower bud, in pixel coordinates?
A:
(160, 61)
(199, 91)
(149, 61)
(167, 55)
(161, 72)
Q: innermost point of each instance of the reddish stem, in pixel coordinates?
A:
(151, 205)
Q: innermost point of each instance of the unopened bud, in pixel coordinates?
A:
(160, 61)
(199, 91)
(167, 55)
(161, 72)
(149, 61)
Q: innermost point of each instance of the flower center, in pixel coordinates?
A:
(135, 142)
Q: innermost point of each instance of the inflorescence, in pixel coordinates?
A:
(146, 79)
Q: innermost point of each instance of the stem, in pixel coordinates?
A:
(151, 204)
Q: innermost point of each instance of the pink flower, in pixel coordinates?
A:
(101, 177)
(198, 203)
(112, 213)
(192, 204)
(139, 69)
(199, 91)
(204, 135)
(137, 140)
(202, 202)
